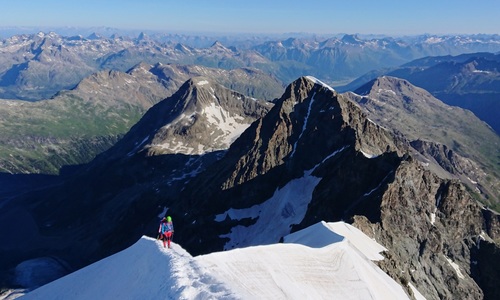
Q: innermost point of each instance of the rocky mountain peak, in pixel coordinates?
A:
(399, 95)
(391, 86)
(219, 45)
(299, 90)
(291, 42)
(308, 123)
(202, 116)
(143, 37)
(140, 67)
(183, 48)
(482, 65)
(111, 88)
(358, 171)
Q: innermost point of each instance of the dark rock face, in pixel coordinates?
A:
(429, 225)
(452, 140)
(486, 267)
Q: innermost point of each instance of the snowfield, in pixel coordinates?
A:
(324, 261)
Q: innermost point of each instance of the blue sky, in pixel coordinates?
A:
(261, 16)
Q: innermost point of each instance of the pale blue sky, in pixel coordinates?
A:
(261, 16)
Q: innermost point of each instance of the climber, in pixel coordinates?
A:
(166, 231)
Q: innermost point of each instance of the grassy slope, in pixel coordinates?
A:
(58, 131)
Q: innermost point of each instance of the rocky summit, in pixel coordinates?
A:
(470, 81)
(201, 117)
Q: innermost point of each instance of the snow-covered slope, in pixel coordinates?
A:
(324, 261)
(145, 270)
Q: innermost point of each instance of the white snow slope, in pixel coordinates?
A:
(324, 261)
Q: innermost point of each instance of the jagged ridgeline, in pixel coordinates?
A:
(36, 66)
(372, 158)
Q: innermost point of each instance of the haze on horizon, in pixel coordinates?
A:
(391, 17)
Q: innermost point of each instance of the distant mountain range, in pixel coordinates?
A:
(414, 182)
(36, 66)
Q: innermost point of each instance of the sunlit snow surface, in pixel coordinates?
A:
(324, 261)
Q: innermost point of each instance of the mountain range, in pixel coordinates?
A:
(234, 172)
(36, 66)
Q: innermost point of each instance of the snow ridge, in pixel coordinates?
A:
(146, 270)
(323, 261)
